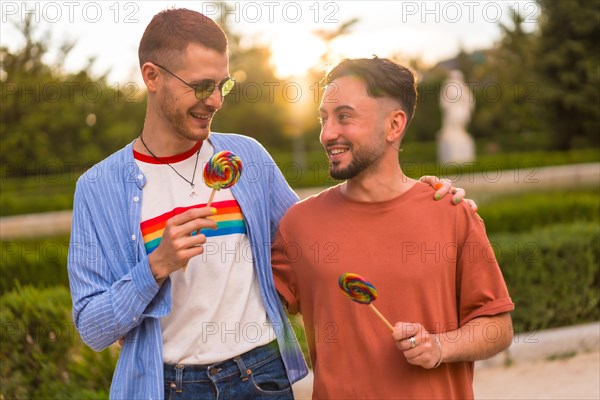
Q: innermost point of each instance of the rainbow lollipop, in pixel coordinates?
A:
(361, 291)
(223, 170)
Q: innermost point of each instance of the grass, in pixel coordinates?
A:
(562, 356)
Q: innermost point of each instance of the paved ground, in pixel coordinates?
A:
(577, 377)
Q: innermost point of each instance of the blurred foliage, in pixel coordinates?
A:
(535, 89)
(30, 194)
(507, 90)
(53, 120)
(38, 262)
(423, 153)
(42, 354)
(552, 274)
(523, 212)
(534, 86)
(568, 57)
(415, 162)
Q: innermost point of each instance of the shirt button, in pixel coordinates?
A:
(132, 237)
(136, 199)
(140, 177)
(134, 319)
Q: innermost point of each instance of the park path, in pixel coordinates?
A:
(572, 378)
(576, 377)
(475, 183)
(558, 363)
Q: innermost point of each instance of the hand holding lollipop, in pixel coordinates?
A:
(223, 170)
(361, 291)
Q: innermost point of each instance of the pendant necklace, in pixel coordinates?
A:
(193, 192)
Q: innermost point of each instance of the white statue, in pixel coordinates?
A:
(455, 145)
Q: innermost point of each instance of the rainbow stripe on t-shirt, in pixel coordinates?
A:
(229, 220)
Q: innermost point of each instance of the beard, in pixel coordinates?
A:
(362, 159)
(177, 118)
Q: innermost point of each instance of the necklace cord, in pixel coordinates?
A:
(173, 168)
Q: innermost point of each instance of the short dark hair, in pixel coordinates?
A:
(384, 78)
(170, 32)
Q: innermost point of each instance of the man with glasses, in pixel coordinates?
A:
(197, 314)
(205, 87)
(215, 328)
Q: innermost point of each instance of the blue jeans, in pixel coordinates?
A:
(257, 374)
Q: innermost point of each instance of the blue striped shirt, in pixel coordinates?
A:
(114, 293)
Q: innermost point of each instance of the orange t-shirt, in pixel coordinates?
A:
(431, 262)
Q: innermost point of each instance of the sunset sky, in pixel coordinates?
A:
(110, 31)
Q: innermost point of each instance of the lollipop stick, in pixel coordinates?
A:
(210, 199)
(212, 196)
(381, 317)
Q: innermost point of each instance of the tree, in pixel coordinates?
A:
(568, 63)
(52, 121)
(507, 90)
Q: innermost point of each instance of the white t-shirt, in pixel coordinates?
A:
(217, 309)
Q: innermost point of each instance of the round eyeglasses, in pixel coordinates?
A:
(205, 87)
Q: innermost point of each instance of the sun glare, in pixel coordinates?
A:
(294, 53)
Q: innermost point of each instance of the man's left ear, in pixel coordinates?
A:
(397, 125)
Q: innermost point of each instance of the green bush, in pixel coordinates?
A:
(425, 153)
(37, 193)
(552, 274)
(38, 262)
(36, 203)
(42, 354)
(421, 161)
(53, 192)
(526, 211)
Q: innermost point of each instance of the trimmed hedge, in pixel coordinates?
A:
(526, 211)
(38, 262)
(552, 274)
(37, 193)
(29, 203)
(42, 354)
(425, 153)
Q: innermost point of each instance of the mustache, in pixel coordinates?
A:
(337, 143)
(206, 109)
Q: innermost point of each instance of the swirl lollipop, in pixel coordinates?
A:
(223, 170)
(361, 291)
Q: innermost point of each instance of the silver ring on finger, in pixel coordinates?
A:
(413, 342)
